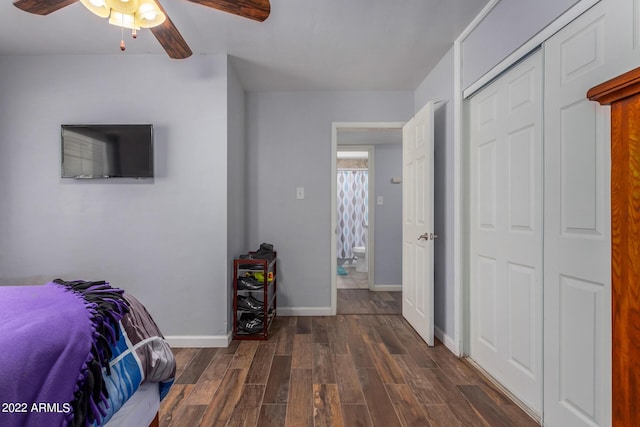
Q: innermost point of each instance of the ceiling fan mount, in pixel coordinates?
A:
(166, 33)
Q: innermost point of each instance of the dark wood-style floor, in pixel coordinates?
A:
(363, 301)
(345, 370)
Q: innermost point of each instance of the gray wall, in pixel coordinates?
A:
(162, 240)
(510, 24)
(438, 86)
(289, 145)
(388, 216)
(236, 176)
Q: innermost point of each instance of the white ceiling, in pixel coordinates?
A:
(303, 45)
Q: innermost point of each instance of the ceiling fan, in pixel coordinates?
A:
(158, 22)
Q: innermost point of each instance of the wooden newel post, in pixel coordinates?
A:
(623, 94)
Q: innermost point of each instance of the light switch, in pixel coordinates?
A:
(380, 200)
(300, 193)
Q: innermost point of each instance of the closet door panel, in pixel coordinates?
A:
(577, 221)
(521, 180)
(506, 230)
(581, 309)
(582, 180)
(522, 339)
(486, 180)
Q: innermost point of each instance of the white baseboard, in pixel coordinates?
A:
(387, 288)
(446, 339)
(304, 311)
(179, 341)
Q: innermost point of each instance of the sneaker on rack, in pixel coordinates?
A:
(249, 284)
(250, 304)
(252, 326)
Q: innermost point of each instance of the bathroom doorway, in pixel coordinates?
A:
(353, 193)
(384, 138)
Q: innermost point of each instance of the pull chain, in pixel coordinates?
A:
(122, 46)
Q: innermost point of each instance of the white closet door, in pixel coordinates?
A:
(506, 230)
(577, 284)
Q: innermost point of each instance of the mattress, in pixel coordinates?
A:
(140, 409)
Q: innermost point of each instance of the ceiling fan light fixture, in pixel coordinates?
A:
(132, 14)
(124, 20)
(98, 7)
(123, 6)
(149, 14)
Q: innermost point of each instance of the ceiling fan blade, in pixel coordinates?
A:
(170, 38)
(42, 7)
(258, 10)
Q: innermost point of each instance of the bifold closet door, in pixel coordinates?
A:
(506, 188)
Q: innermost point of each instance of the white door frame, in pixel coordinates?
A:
(335, 127)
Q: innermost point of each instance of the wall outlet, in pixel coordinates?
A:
(300, 193)
(380, 200)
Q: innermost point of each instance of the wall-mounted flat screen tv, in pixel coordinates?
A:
(107, 151)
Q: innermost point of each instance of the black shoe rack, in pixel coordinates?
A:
(254, 309)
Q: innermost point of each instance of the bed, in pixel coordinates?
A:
(80, 353)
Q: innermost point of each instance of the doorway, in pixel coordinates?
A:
(361, 136)
(353, 193)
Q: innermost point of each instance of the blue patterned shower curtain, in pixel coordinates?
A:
(353, 211)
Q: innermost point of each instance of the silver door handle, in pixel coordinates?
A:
(428, 236)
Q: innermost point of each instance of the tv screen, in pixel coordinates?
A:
(107, 151)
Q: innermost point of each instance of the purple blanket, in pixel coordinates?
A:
(54, 341)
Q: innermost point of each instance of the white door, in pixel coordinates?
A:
(597, 46)
(417, 222)
(506, 230)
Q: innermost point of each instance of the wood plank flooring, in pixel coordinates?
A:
(345, 370)
(363, 301)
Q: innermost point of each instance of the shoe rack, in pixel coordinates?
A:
(245, 327)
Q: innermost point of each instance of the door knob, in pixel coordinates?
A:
(428, 236)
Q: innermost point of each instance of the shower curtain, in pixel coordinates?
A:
(353, 212)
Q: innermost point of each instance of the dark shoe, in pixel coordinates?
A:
(252, 266)
(249, 284)
(250, 304)
(265, 252)
(252, 326)
(265, 247)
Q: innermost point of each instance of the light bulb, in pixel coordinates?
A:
(97, 3)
